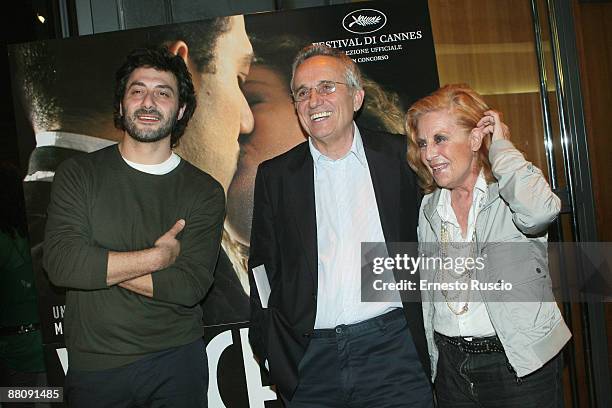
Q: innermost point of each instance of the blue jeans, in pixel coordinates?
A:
(372, 364)
(487, 380)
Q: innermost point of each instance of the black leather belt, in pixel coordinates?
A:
(21, 329)
(476, 345)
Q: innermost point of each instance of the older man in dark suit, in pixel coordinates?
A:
(313, 207)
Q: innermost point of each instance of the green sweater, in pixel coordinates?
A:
(100, 204)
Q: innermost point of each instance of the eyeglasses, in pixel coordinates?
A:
(322, 88)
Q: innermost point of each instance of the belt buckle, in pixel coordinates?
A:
(468, 346)
(471, 347)
(26, 328)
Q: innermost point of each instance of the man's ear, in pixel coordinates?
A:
(358, 99)
(181, 112)
(476, 136)
(179, 48)
(120, 108)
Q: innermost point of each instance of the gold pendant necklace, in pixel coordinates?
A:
(459, 278)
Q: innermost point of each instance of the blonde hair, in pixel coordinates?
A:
(382, 109)
(467, 107)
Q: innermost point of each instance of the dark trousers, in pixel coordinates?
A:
(487, 380)
(370, 364)
(13, 378)
(177, 377)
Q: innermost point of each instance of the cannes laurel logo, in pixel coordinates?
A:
(364, 21)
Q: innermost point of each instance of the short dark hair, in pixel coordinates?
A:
(160, 59)
(35, 73)
(201, 38)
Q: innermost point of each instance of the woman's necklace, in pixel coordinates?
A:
(466, 249)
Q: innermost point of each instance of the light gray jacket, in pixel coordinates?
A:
(518, 210)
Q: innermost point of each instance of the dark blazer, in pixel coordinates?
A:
(284, 239)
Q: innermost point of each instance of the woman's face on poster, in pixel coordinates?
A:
(276, 131)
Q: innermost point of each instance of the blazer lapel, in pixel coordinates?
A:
(386, 183)
(300, 185)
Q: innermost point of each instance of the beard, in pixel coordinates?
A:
(146, 135)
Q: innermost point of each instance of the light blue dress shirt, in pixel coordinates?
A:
(347, 215)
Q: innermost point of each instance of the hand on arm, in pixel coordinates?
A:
(131, 270)
(186, 281)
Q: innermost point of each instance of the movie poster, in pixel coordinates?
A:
(64, 98)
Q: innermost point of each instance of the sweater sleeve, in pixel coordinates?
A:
(523, 186)
(69, 257)
(189, 278)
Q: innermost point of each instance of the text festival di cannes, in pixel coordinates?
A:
(410, 264)
(374, 40)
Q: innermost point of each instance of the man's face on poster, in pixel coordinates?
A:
(211, 139)
(276, 131)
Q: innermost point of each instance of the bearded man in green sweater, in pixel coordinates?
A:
(133, 233)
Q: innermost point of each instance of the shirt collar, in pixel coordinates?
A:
(444, 204)
(72, 141)
(481, 183)
(356, 149)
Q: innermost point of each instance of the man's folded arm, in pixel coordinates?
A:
(123, 265)
(71, 260)
(68, 255)
(189, 278)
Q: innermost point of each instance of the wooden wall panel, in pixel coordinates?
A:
(594, 40)
(492, 49)
(594, 26)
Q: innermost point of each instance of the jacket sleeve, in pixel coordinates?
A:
(522, 185)
(69, 257)
(189, 278)
(262, 252)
